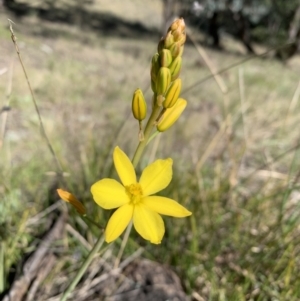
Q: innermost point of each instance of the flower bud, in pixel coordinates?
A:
(180, 24)
(175, 67)
(153, 85)
(165, 58)
(161, 45)
(175, 49)
(181, 50)
(163, 80)
(171, 115)
(172, 94)
(181, 39)
(139, 106)
(176, 34)
(169, 40)
(155, 66)
(70, 198)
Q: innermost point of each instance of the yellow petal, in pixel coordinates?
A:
(124, 167)
(109, 194)
(118, 222)
(148, 224)
(70, 198)
(165, 206)
(156, 176)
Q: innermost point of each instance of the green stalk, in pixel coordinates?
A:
(149, 127)
(83, 268)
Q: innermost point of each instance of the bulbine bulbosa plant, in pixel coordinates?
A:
(134, 199)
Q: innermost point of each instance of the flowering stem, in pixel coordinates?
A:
(148, 130)
(99, 243)
(153, 136)
(83, 268)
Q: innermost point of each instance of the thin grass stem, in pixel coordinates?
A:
(123, 245)
(6, 105)
(14, 39)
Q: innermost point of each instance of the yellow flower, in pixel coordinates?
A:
(134, 200)
(70, 198)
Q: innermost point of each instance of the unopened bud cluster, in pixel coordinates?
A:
(166, 65)
(165, 71)
(165, 81)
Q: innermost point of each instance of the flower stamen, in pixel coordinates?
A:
(135, 192)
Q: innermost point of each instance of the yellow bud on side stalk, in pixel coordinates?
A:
(139, 110)
(139, 106)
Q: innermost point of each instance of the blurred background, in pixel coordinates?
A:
(235, 148)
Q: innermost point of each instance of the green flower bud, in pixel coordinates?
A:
(139, 106)
(172, 94)
(176, 34)
(181, 50)
(181, 39)
(175, 49)
(169, 40)
(165, 58)
(163, 80)
(161, 45)
(155, 65)
(175, 67)
(153, 86)
(178, 24)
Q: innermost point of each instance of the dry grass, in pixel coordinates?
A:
(236, 154)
